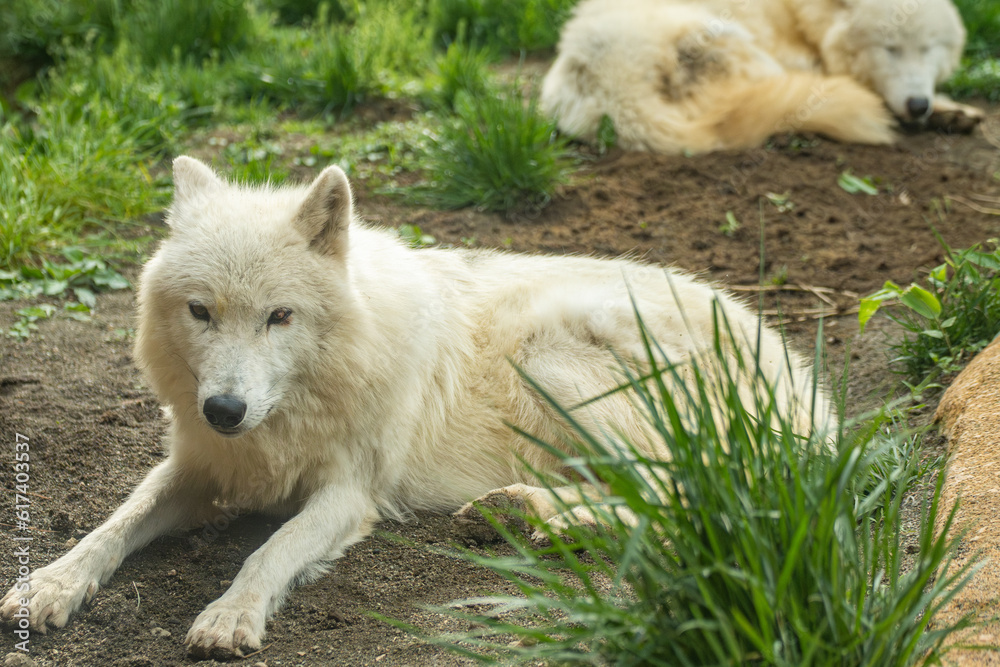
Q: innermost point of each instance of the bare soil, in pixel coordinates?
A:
(94, 427)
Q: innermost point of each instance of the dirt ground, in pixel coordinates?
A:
(94, 428)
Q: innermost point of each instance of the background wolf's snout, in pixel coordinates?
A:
(224, 411)
(918, 107)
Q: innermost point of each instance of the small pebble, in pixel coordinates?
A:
(159, 632)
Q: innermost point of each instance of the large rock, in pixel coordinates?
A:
(969, 415)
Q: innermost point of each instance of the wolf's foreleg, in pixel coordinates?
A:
(333, 518)
(159, 504)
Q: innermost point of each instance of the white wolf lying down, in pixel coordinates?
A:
(316, 366)
(676, 75)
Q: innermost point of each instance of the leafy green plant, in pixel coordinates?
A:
(27, 318)
(498, 153)
(81, 275)
(746, 544)
(948, 321)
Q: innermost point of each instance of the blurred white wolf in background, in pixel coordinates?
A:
(679, 75)
(314, 366)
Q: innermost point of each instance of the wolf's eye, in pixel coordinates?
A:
(199, 311)
(280, 316)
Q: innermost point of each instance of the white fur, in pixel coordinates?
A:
(677, 75)
(386, 391)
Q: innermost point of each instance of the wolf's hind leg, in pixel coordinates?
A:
(559, 507)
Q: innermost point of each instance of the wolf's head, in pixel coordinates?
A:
(901, 49)
(244, 295)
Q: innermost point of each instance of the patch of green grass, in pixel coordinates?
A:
(375, 154)
(180, 29)
(979, 75)
(30, 29)
(147, 104)
(330, 67)
(498, 153)
(76, 177)
(948, 321)
(982, 23)
(748, 543)
(298, 12)
(502, 25)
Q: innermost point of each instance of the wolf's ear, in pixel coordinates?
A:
(192, 176)
(326, 212)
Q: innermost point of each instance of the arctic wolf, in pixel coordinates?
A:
(314, 366)
(682, 76)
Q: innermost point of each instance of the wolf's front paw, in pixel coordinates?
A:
(226, 629)
(53, 594)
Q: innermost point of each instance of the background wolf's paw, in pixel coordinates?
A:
(54, 594)
(954, 117)
(506, 505)
(225, 630)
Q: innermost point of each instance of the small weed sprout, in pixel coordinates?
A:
(856, 184)
(731, 225)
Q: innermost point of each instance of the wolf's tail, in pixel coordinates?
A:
(743, 114)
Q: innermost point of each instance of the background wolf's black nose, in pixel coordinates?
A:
(918, 107)
(224, 411)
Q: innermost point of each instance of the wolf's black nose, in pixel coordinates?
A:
(918, 107)
(224, 411)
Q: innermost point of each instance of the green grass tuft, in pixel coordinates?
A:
(498, 153)
(462, 69)
(750, 544)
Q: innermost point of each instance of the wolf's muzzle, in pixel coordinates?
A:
(224, 412)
